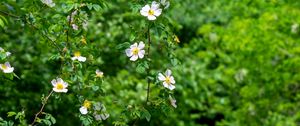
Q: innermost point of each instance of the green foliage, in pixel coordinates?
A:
(234, 62)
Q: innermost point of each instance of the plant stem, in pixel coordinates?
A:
(148, 58)
(44, 102)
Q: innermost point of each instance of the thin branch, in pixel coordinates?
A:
(148, 57)
(44, 102)
(8, 14)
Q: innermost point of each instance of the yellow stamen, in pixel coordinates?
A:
(77, 54)
(87, 104)
(3, 66)
(176, 39)
(135, 51)
(151, 12)
(168, 80)
(59, 86)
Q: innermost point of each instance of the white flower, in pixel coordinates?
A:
(168, 79)
(172, 101)
(103, 116)
(136, 51)
(59, 85)
(6, 68)
(165, 3)
(295, 28)
(99, 73)
(48, 3)
(77, 56)
(151, 12)
(6, 53)
(84, 109)
(74, 26)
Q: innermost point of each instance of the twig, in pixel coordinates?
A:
(8, 14)
(44, 102)
(148, 57)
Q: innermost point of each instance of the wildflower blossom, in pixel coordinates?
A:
(172, 101)
(136, 51)
(77, 56)
(165, 3)
(6, 53)
(6, 68)
(151, 12)
(167, 79)
(74, 26)
(84, 108)
(59, 85)
(99, 73)
(48, 3)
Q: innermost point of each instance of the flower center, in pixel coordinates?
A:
(87, 104)
(135, 51)
(77, 54)
(168, 80)
(151, 12)
(4, 66)
(59, 86)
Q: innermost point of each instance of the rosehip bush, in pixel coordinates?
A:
(149, 62)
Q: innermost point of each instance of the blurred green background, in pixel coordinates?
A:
(239, 63)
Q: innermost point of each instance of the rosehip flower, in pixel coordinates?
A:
(84, 108)
(99, 73)
(165, 3)
(103, 116)
(136, 51)
(59, 85)
(168, 79)
(151, 12)
(6, 68)
(77, 56)
(48, 3)
(6, 53)
(172, 101)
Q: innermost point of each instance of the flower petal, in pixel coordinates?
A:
(74, 58)
(161, 77)
(171, 86)
(141, 54)
(151, 17)
(157, 12)
(134, 57)
(154, 5)
(172, 80)
(134, 45)
(81, 59)
(166, 85)
(141, 45)
(7, 64)
(128, 52)
(83, 110)
(144, 11)
(168, 72)
(53, 82)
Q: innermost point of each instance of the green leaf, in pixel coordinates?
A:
(10, 114)
(96, 7)
(123, 45)
(145, 114)
(140, 68)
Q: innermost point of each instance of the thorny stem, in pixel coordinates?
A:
(148, 57)
(44, 102)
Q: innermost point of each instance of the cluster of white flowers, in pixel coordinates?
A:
(48, 3)
(77, 56)
(136, 51)
(153, 11)
(70, 18)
